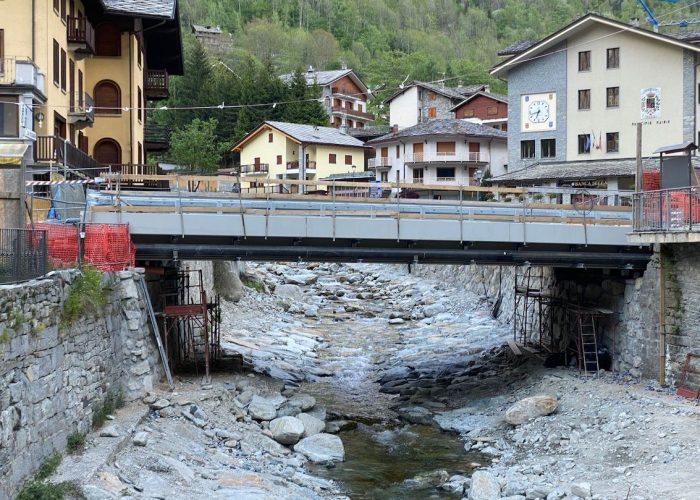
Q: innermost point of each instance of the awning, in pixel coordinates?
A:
(12, 153)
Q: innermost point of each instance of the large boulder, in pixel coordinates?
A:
(321, 448)
(227, 280)
(312, 425)
(262, 409)
(529, 408)
(287, 430)
(484, 486)
(289, 291)
(303, 401)
(300, 279)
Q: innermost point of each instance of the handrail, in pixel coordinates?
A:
(667, 210)
(80, 31)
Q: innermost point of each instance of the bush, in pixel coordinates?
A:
(111, 403)
(252, 283)
(41, 490)
(76, 442)
(86, 296)
(49, 466)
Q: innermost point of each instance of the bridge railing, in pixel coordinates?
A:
(667, 210)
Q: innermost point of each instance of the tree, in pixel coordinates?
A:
(304, 106)
(195, 146)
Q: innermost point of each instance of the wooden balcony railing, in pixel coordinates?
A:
(256, 168)
(353, 112)
(51, 148)
(156, 86)
(81, 35)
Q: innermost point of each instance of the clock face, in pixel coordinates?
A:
(538, 112)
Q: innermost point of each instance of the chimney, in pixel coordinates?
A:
(343, 129)
(634, 22)
(310, 71)
(394, 129)
(344, 65)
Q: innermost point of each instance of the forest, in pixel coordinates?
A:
(386, 42)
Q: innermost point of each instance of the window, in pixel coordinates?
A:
(140, 150)
(584, 60)
(432, 112)
(384, 176)
(348, 159)
(56, 63)
(9, 116)
(56, 5)
(527, 149)
(385, 153)
(71, 85)
(613, 97)
(445, 148)
(432, 96)
(139, 96)
(612, 139)
(279, 159)
(584, 99)
(331, 158)
(613, 58)
(548, 148)
(139, 51)
(108, 40)
(270, 137)
(63, 70)
(445, 174)
(108, 98)
(418, 175)
(468, 113)
(492, 110)
(584, 144)
(63, 9)
(81, 95)
(398, 151)
(108, 152)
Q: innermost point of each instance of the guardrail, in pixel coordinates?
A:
(156, 86)
(380, 162)
(81, 33)
(52, 148)
(667, 210)
(294, 165)
(256, 168)
(439, 157)
(14, 71)
(23, 254)
(353, 112)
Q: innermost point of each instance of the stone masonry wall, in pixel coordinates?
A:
(52, 378)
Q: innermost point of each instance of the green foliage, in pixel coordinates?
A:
(195, 146)
(75, 442)
(5, 336)
(101, 412)
(49, 466)
(86, 296)
(252, 283)
(41, 490)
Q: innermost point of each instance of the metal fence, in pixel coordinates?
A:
(667, 210)
(23, 254)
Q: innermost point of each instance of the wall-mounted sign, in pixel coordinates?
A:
(585, 183)
(650, 103)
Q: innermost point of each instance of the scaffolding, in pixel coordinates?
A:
(191, 323)
(534, 311)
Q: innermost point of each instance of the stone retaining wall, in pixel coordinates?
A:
(53, 377)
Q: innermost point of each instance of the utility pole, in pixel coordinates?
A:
(638, 178)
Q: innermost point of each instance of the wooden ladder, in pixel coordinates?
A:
(587, 344)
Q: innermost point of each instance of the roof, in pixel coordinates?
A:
(517, 47)
(146, 8)
(451, 126)
(580, 25)
(573, 170)
(454, 93)
(322, 78)
(304, 134)
(350, 175)
(496, 97)
(687, 36)
(677, 148)
(214, 30)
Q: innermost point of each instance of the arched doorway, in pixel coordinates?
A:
(107, 152)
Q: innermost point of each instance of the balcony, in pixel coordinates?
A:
(294, 165)
(342, 110)
(157, 137)
(667, 216)
(439, 157)
(22, 74)
(255, 169)
(375, 163)
(51, 148)
(81, 36)
(82, 110)
(156, 85)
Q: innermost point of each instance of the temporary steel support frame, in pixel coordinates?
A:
(533, 312)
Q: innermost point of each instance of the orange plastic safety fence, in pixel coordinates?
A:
(62, 243)
(108, 246)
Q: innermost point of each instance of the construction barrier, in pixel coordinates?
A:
(651, 180)
(108, 247)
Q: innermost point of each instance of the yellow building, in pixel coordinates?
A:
(74, 79)
(278, 150)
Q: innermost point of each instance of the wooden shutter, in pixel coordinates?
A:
(331, 158)
(385, 152)
(107, 96)
(348, 159)
(71, 83)
(108, 152)
(2, 51)
(445, 148)
(63, 69)
(56, 63)
(108, 40)
(417, 148)
(140, 104)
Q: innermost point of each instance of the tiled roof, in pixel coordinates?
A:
(457, 94)
(577, 170)
(319, 77)
(443, 127)
(517, 47)
(214, 30)
(497, 97)
(686, 36)
(148, 8)
(311, 134)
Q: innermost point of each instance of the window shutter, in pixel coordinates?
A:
(107, 96)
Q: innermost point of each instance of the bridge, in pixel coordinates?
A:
(221, 224)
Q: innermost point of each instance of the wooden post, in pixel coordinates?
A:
(662, 317)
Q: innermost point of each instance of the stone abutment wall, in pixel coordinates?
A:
(54, 376)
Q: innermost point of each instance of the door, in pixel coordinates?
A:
(418, 175)
(108, 152)
(384, 160)
(59, 126)
(474, 150)
(418, 151)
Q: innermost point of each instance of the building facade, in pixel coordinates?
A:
(344, 96)
(278, 150)
(577, 95)
(485, 108)
(75, 77)
(449, 151)
(419, 102)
